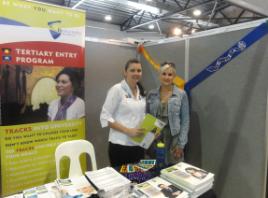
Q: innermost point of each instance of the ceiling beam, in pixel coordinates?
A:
(187, 3)
(258, 7)
(178, 4)
(239, 16)
(167, 15)
(227, 18)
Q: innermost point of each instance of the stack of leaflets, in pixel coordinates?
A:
(15, 196)
(192, 179)
(45, 191)
(158, 188)
(78, 187)
(109, 182)
(151, 126)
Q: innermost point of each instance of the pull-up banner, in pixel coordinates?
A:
(42, 86)
(229, 55)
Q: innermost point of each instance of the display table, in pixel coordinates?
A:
(136, 177)
(208, 194)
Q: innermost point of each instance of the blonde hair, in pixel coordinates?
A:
(166, 65)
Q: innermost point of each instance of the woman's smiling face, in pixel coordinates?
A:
(167, 76)
(64, 86)
(133, 73)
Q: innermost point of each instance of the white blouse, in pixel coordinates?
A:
(75, 111)
(121, 106)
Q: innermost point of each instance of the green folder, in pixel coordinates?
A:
(149, 124)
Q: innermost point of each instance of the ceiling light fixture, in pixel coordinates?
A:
(151, 26)
(108, 18)
(177, 31)
(197, 12)
(193, 31)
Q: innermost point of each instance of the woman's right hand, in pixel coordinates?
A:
(135, 132)
(132, 132)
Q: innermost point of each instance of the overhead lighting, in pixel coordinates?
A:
(193, 31)
(177, 31)
(151, 26)
(197, 12)
(148, 0)
(108, 18)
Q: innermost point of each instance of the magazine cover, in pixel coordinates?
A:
(160, 188)
(187, 175)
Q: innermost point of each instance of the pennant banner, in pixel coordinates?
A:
(229, 55)
(179, 82)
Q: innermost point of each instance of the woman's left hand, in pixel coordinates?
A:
(177, 152)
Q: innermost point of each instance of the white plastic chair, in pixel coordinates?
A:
(73, 149)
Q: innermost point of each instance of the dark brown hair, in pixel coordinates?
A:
(131, 61)
(128, 63)
(73, 76)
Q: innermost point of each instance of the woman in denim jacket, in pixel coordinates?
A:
(170, 104)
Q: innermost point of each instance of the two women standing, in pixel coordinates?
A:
(125, 108)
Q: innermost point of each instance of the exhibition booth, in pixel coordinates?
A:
(228, 108)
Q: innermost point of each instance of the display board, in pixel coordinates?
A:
(230, 109)
(228, 123)
(105, 66)
(42, 78)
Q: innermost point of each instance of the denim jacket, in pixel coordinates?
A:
(178, 112)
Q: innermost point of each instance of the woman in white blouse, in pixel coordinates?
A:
(123, 111)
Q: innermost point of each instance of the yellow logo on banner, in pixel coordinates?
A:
(54, 28)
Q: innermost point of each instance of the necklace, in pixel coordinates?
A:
(165, 95)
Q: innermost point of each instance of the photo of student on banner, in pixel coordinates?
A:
(26, 92)
(69, 105)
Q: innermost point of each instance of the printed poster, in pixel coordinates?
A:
(41, 86)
